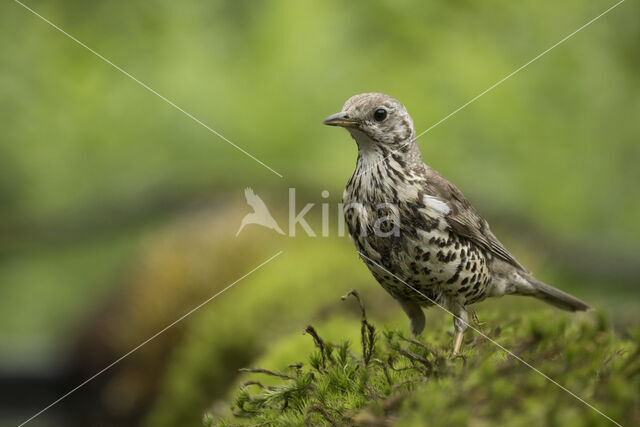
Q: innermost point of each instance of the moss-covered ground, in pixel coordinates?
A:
(340, 372)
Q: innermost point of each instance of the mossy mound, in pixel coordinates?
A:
(394, 379)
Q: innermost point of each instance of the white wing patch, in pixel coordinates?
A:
(426, 235)
(436, 205)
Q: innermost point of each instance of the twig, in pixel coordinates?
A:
(324, 352)
(258, 384)
(268, 372)
(384, 369)
(431, 350)
(356, 295)
(407, 382)
(367, 330)
(406, 368)
(320, 410)
(416, 358)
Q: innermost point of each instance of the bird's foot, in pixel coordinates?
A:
(475, 319)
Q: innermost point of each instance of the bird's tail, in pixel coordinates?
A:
(555, 297)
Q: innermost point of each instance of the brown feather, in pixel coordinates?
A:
(464, 220)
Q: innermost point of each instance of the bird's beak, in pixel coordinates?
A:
(340, 119)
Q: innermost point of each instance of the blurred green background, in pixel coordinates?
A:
(118, 213)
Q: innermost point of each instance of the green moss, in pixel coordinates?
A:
(411, 381)
(246, 322)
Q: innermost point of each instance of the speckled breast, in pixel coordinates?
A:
(434, 263)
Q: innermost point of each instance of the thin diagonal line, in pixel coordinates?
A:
(493, 86)
(165, 99)
(499, 82)
(88, 380)
(496, 343)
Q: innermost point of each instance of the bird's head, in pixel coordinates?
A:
(375, 119)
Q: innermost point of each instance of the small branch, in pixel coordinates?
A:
(268, 372)
(407, 382)
(257, 384)
(367, 331)
(324, 351)
(325, 414)
(356, 295)
(431, 350)
(384, 369)
(320, 410)
(416, 358)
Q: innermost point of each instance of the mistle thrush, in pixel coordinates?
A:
(411, 225)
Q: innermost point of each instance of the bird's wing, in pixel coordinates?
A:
(254, 200)
(463, 219)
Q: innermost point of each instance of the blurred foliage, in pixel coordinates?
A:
(561, 147)
(407, 381)
(181, 266)
(115, 212)
(271, 302)
(86, 153)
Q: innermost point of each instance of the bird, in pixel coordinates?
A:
(260, 214)
(419, 236)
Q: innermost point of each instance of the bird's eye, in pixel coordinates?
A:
(380, 114)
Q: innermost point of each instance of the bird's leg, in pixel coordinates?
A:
(457, 343)
(460, 324)
(416, 316)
